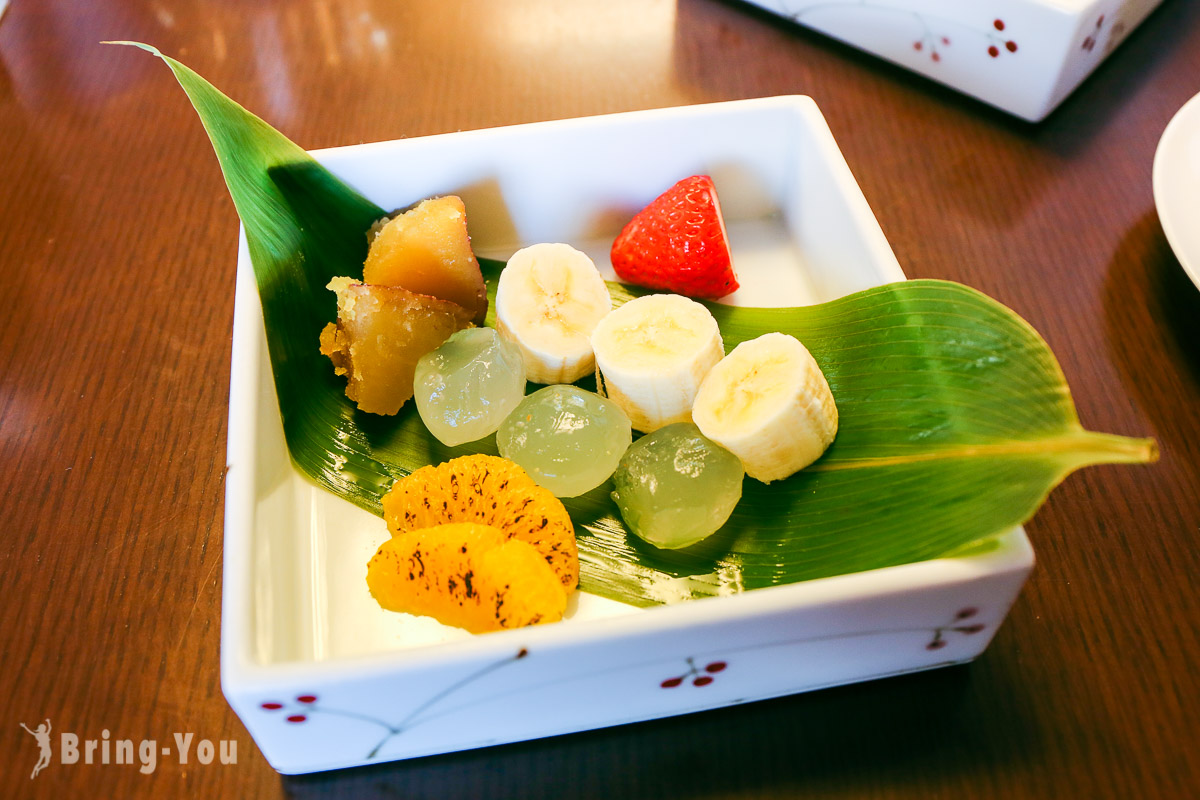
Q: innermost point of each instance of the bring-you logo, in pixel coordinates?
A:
(144, 753)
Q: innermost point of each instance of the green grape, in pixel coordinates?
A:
(568, 440)
(675, 487)
(466, 387)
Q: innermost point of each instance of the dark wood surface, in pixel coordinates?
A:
(117, 251)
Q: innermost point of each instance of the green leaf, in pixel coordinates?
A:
(956, 421)
(303, 227)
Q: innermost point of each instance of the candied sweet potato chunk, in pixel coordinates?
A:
(380, 333)
(427, 250)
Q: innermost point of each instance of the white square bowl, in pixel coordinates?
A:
(1022, 56)
(323, 678)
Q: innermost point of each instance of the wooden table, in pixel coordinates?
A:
(117, 245)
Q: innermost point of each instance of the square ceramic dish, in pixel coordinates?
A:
(323, 678)
(1023, 56)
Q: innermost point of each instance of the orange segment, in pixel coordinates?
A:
(467, 575)
(487, 490)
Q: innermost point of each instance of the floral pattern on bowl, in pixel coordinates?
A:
(1047, 47)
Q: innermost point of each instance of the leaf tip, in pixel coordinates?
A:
(149, 48)
(1137, 451)
(1106, 448)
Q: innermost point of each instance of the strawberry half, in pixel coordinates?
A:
(678, 243)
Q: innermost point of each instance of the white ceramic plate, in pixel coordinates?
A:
(1022, 56)
(324, 678)
(1177, 185)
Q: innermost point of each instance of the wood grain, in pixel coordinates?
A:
(117, 246)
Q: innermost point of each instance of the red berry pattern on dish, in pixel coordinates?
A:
(935, 33)
(1115, 32)
(301, 708)
(939, 641)
(696, 676)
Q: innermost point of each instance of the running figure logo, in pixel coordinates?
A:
(42, 734)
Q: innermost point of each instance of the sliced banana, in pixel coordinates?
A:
(549, 298)
(769, 404)
(651, 355)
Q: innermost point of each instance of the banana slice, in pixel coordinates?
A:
(548, 300)
(769, 404)
(651, 355)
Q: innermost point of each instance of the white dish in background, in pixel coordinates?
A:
(1177, 186)
(323, 678)
(1022, 56)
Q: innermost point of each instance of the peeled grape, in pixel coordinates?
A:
(465, 388)
(568, 440)
(675, 486)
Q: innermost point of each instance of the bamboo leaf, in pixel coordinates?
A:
(956, 421)
(303, 227)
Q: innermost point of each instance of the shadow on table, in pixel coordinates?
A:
(853, 740)
(1117, 81)
(1151, 306)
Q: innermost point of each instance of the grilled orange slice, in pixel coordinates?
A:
(487, 490)
(468, 575)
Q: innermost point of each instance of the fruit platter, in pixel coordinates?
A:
(299, 623)
(679, 508)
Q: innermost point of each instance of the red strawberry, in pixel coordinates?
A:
(678, 243)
